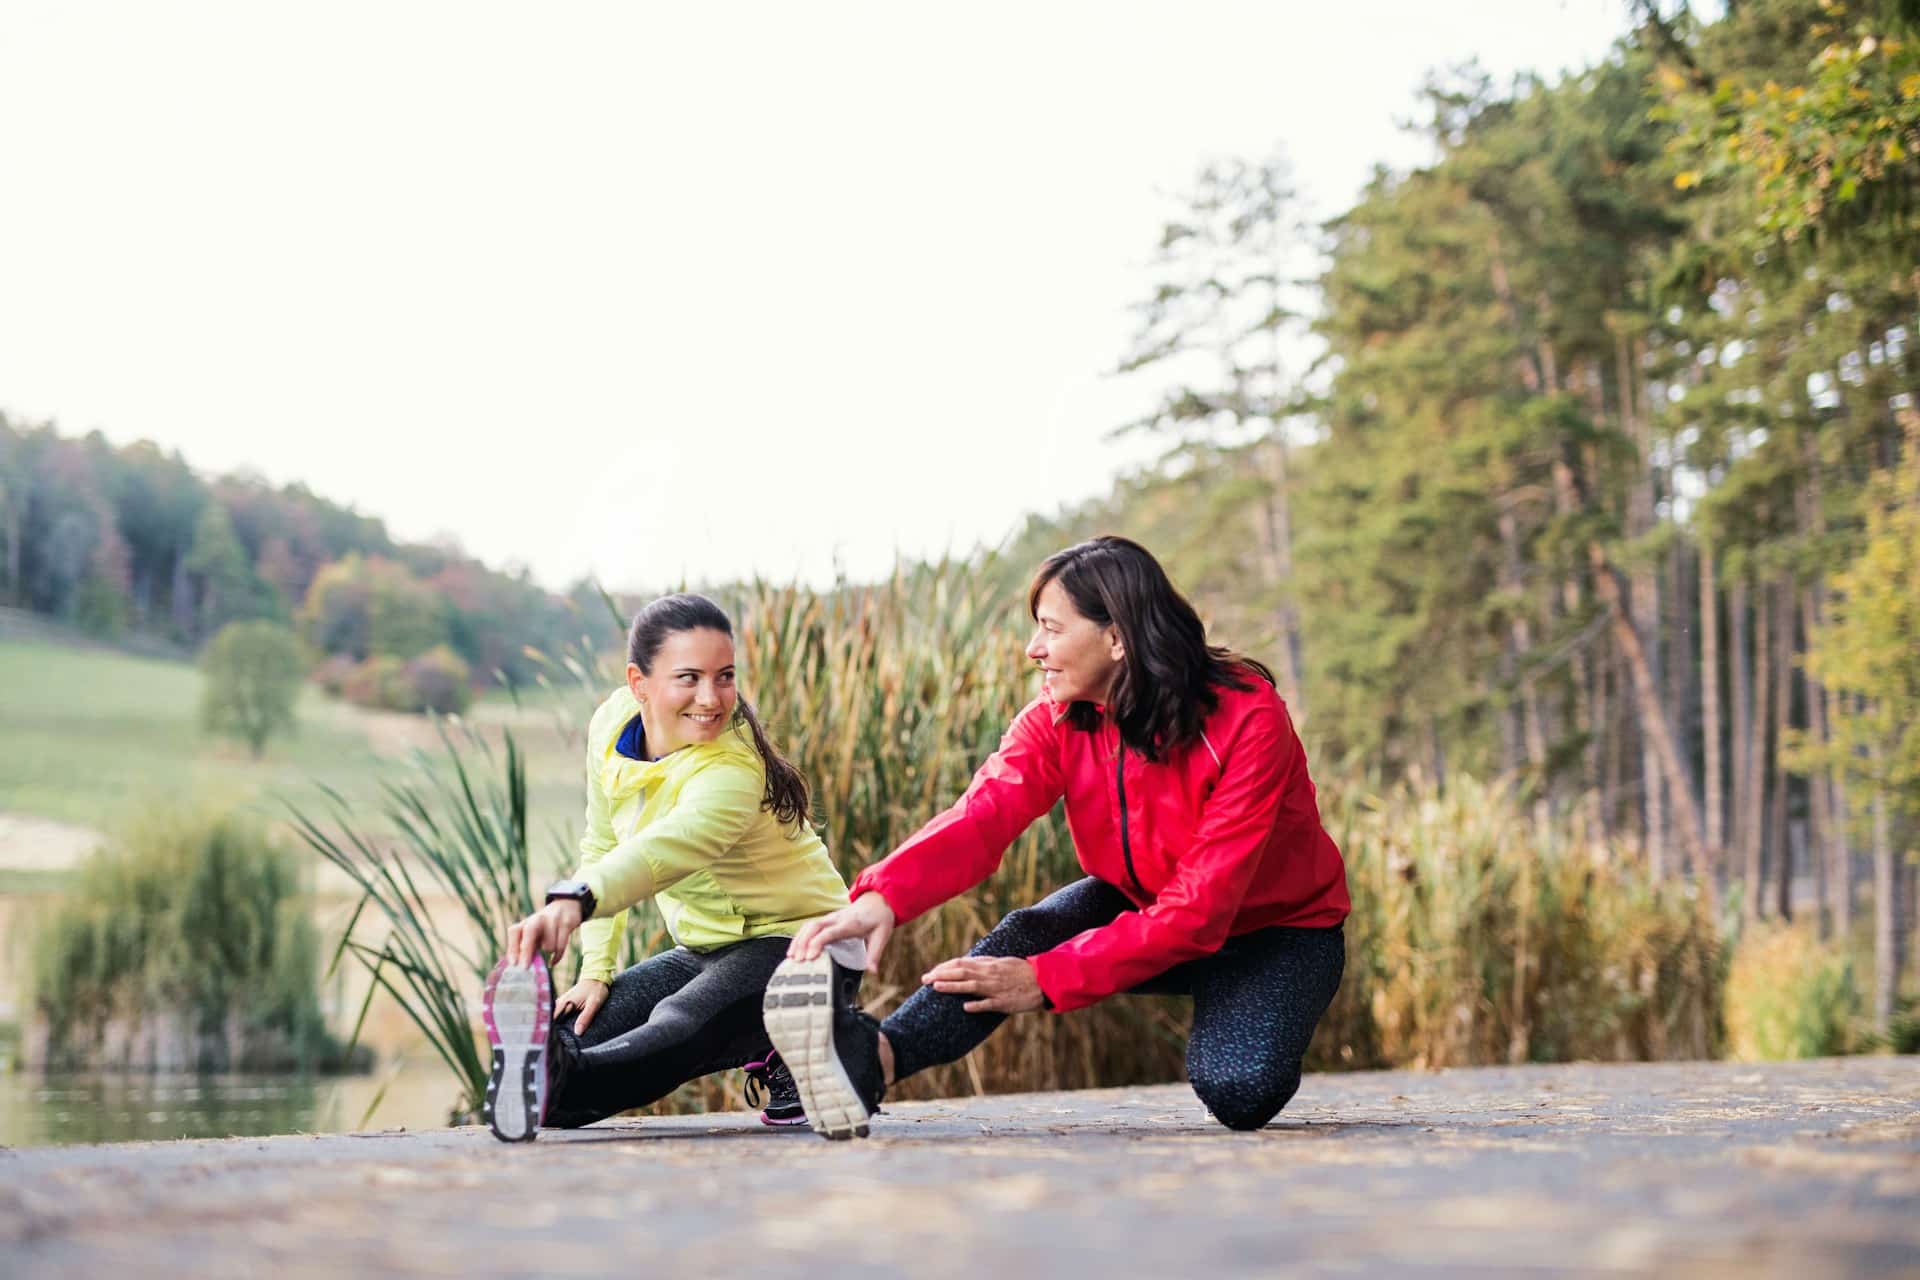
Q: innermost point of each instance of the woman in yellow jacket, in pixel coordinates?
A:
(689, 804)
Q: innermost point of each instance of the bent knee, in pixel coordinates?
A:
(1246, 1099)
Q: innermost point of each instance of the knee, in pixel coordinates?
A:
(1243, 1098)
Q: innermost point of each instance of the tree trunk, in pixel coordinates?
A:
(1780, 847)
(1711, 795)
(16, 525)
(1676, 643)
(1757, 763)
(1589, 702)
(180, 600)
(1507, 717)
(1277, 516)
(1837, 850)
(1520, 632)
(1820, 807)
(1280, 518)
(1644, 598)
(1585, 721)
(1653, 717)
(1888, 936)
(1843, 896)
(1743, 753)
(1607, 716)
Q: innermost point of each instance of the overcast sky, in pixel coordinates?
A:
(706, 290)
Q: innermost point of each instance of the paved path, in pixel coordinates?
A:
(1798, 1169)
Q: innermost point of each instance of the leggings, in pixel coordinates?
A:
(671, 1018)
(1256, 1002)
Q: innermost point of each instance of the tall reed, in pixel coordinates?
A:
(1479, 937)
(462, 824)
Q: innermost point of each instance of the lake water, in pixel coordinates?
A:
(57, 1110)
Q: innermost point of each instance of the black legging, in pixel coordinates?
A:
(1256, 1002)
(671, 1018)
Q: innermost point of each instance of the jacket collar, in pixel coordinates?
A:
(1058, 710)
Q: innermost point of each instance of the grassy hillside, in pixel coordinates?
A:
(90, 735)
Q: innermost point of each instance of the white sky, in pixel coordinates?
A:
(704, 290)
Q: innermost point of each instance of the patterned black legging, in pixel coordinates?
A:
(1256, 1002)
(671, 1018)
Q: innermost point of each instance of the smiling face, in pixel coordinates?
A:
(1078, 657)
(689, 694)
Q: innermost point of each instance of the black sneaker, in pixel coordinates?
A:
(778, 1096)
(831, 1046)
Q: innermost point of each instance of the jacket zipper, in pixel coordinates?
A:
(1126, 848)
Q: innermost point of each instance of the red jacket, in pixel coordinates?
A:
(1221, 838)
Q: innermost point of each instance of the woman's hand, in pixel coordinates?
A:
(869, 919)
(548, 929)
(1005, 984)
(586, 995)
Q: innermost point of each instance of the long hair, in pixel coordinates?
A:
(786, 794)
(1170, 677)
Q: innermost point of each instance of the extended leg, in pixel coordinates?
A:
(710, 1022)
(932, 1027)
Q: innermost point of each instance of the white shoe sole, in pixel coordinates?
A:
(516, 1006)
(799, 1015)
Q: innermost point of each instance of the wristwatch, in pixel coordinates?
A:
(576, 890)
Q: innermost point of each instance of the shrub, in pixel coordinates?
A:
(441, 681)
(1789, 996)
(437, 680)
(185, 945)
(333, 673)
(379, 682)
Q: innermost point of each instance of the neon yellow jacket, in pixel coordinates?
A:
(689, 832)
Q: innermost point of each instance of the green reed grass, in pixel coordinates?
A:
(1478, 937)
(462, 823)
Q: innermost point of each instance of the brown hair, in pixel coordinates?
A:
(786, 795)
(1170, 677)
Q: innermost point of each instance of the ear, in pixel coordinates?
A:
(634, 685)
(1116, 648)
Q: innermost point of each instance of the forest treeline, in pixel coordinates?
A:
(131, 541)
(1606, 474)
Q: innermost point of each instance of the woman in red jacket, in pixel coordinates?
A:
(1190, 806)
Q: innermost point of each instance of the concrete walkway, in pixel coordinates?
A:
(1711, 1169)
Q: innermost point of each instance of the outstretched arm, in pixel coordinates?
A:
(957, 850)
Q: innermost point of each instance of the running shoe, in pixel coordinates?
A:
(518, 1008)
(829, 1044)
(778, 1096)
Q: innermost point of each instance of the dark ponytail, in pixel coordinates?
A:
(786, 795)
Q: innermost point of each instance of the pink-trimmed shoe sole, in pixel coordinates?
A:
(517, 1007)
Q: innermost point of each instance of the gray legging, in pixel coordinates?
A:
(671, 1018)
(1256, 1002)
